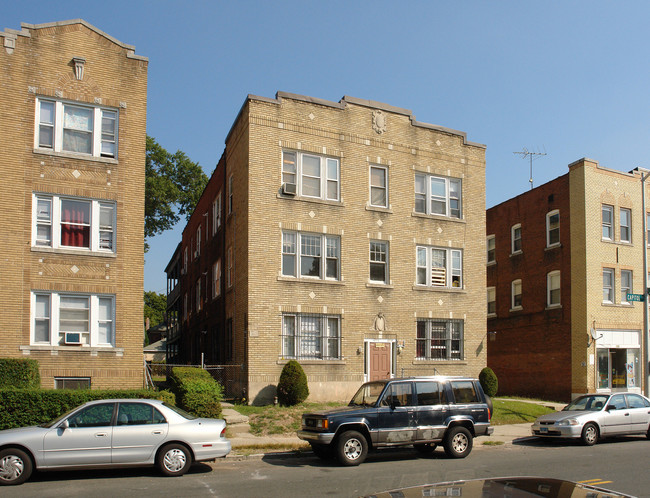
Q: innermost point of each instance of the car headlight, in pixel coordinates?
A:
(567, 422)
(322, 423)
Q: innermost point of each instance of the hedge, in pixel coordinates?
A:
(197, 392)
(24, 407)
(19, 373)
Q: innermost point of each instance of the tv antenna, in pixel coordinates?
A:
(525, 153)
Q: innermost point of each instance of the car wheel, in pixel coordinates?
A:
(589, 434)
(174, 460)
(322, 451)
(351, 448)
(425, 448)
(15, 466)
(458, 442)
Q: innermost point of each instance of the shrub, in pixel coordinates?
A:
(19, 373)
(292, 386)
(489, 381)
(197, 392)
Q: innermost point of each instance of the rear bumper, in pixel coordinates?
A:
(211, 450)
(316, 437)
(483, 429)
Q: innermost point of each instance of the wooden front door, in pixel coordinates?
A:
(379, 360)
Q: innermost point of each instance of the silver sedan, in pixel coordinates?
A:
(593, 416)
(113, 433)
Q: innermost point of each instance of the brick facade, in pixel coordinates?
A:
(106, 267)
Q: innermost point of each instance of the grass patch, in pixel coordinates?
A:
(516, 412)
(252, 449)
(492, 443)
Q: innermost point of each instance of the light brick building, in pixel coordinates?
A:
(346, 235)
(561, 260)
(72, 153)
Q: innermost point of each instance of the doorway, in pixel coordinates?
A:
(618, 369)
(379, 360)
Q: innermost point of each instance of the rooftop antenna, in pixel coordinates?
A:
(524, 153)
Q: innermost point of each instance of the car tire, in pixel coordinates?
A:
(322, 451)
(458, 442)
(589, 435)
(174, 460)
(425, 448)
(351, 448)
(15, 466)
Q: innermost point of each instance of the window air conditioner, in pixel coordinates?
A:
(73, 338)
(289, 188)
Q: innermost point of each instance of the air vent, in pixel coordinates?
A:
(289, 188)
(72, 338)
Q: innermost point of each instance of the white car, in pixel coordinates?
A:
(113, 433)
(593, 416)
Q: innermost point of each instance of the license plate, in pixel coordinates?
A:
(543, 429)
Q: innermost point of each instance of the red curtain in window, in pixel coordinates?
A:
(75, 229)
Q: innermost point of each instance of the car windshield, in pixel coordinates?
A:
(368, 394)
(587, 403)
(182, 413)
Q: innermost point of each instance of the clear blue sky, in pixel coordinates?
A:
(570, 78)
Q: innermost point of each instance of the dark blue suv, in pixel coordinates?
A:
(418, 411)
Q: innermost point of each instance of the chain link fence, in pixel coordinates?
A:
(231, 377)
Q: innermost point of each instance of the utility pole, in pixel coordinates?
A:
(645, 339)
(524, 153)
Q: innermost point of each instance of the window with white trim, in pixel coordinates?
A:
(216, 214)
(491, 301)
(625, 220)
(439, 339)
(439, 267)
(73, 223)
(491, 244)
(230, 194)
(608, 285)
(515, 238)
(314, 175)
(60, 319)
(553, 290)
(516, 292)
(608, 221)
(311, 336)
(309, 255)
(626, 285)
(552, 228)
(379, 261)
(229, 264)
(197, 295)
(197, 251)
(379, 186)
(438, 195)
(76, 128)
(216, 279)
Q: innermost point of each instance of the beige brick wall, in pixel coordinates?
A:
(39, 65)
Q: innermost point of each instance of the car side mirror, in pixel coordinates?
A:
(64, 425)
(610, 408)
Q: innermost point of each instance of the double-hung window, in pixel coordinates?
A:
(314, 176)
(608, 285)
(491, 301)
(438, 195)
(626, 284)
(311, 255)
(72, 319)
(311, 336)
(216, 214)
(608, 222)
(197, 251)
(515, 239)
(553, 289)
(379, 261)
(439, 267)
(552, 228)
(625, 219)
(197, 295)
(76, 128)
(515, 294)
(216, 279)
(439, 339)
(73, 223)
(379, 186)
(491, 248)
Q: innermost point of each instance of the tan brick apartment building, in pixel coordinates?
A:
(346, 235)
(72, 136)
(561, 260)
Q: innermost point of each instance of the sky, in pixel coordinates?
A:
(567, 78)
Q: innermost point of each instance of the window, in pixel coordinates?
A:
(185, 306)
(515, 237)
(439, 339)
(626, 284)
(625, 219)
(197, 251)
(308, 337)
(72, 223)
(491, 248)
(491, 301)
(516, 294)
(608, 285)
(438, 195)
(608, 222)
(216, 214)
(72, 319)
(198, 295)
(76, 128)
(93, 416)
(139, 414)
(230, 194)
(379, 262)
(216, 279)
(229, 262)
(552, 228)
(315, 176)
(553, 289)
(378, 186)
(185, 260)
(438, 267)
(310, 255)
(71, 382)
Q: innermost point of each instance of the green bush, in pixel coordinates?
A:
(19, 373)
(24, 407)
(489, 381)
(292, 386)
(197, 392)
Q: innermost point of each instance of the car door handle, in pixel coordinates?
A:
(101, 434)
(627, 414)
(156, 433)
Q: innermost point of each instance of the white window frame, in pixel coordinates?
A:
(295, 247)
(551, 229)
(197, 251)
(515, 239)
(607, 226)
(516, 290)
(490, 248)
(379, 257)
(433, 345)
(553, 283)
(216, 214)
(100, 138)
(625, 230)
(53, 221)
(230, 194)
(491, 298)
(216, 279)
(383, 170)
(449, 276)
(322, 342)
(424, 194)
(626, 287)
(90, 337)
(609, 286)
(229, 262)
(293, 171)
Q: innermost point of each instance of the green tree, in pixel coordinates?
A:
(292, 386)
(173, 186)
(155, 305)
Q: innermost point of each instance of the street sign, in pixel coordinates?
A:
(635, 297)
